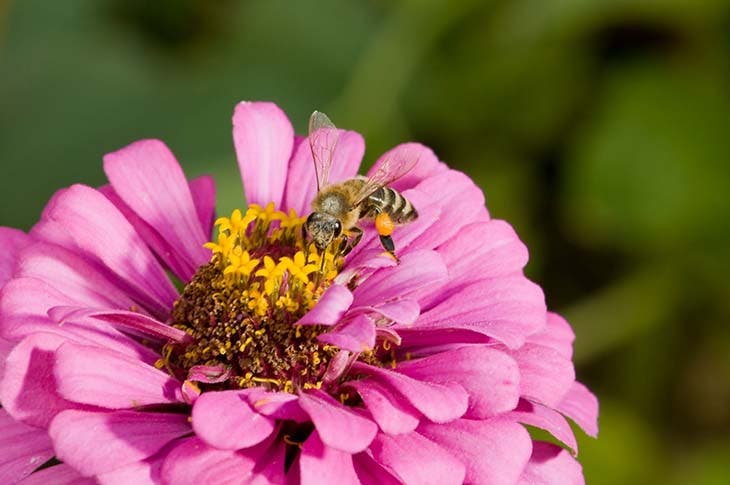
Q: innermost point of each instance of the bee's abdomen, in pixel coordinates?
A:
(393, 203)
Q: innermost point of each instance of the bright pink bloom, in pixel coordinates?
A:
(435, 363)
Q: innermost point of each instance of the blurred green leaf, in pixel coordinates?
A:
(650, 173)
(622, 311)
(626, 451)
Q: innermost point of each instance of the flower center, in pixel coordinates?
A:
(242, 307)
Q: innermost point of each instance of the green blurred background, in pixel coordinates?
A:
(598, 128)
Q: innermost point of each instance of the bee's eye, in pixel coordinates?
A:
(310, 219)
(338, 228)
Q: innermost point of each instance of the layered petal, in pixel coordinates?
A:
(149, 180)
(25, 448)
(330, 308)
(330, 418)
(226, 420)
(193, 462)
(357, 335)
(417, 460)
(484, 249)
(320, 464)
(551, 465)
(264, 138)
(546, 375)
(415, 272)
(440, 403)
(74, 275)
(28, 391)
(393, 413)
(581, 405)
(98, 442)
(508, 309)
(203, 191)
(58, 475)
(101, 377)
(545, 418)
(100, 232)
(557, 335)
(491, 377)
(495, 451)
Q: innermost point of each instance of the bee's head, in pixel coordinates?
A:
(322, 228)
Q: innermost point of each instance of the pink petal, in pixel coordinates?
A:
(330, 418)
(490, 377)
(428, 164)
(330, 308)
(301, 186)
(371, 473)
(494, 451)
(357, 335)
(457, 195)
(101, 377)
(102, 233)
(193, 462)
(416, 459)
(393, 413)
(398, 311)
(425, 341)
(144, 471)
(5, 347)
(149, 180)
(25, 448)
(24, 303)
(169, 255)
(74, 275)
(203, 191)
(484, 249)
(28, 389)
(507, 309)
(12, 241)
(98, 442)
(132, 322)
(319, 464)
(545, 418)
(440, 403)
(277, 405)
(264, 139)
(547, 376)
(580, 405)
(416, 271)
(225, 420)
(557, 334)
(57, 475)
(551, 465)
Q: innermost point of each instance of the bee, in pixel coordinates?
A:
(338, 207)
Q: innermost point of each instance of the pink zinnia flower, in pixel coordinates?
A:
(272, 363)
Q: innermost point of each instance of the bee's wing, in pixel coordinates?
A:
(394, 167)
(323, 136)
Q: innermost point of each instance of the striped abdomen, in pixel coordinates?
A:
(392, 202)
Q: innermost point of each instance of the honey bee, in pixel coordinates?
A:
(337, 208)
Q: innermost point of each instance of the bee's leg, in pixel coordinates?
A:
(389, 246)
(385, 225)
(349, 244)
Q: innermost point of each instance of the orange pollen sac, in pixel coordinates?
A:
(384, 224)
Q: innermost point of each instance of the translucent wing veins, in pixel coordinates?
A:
(323, 136)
